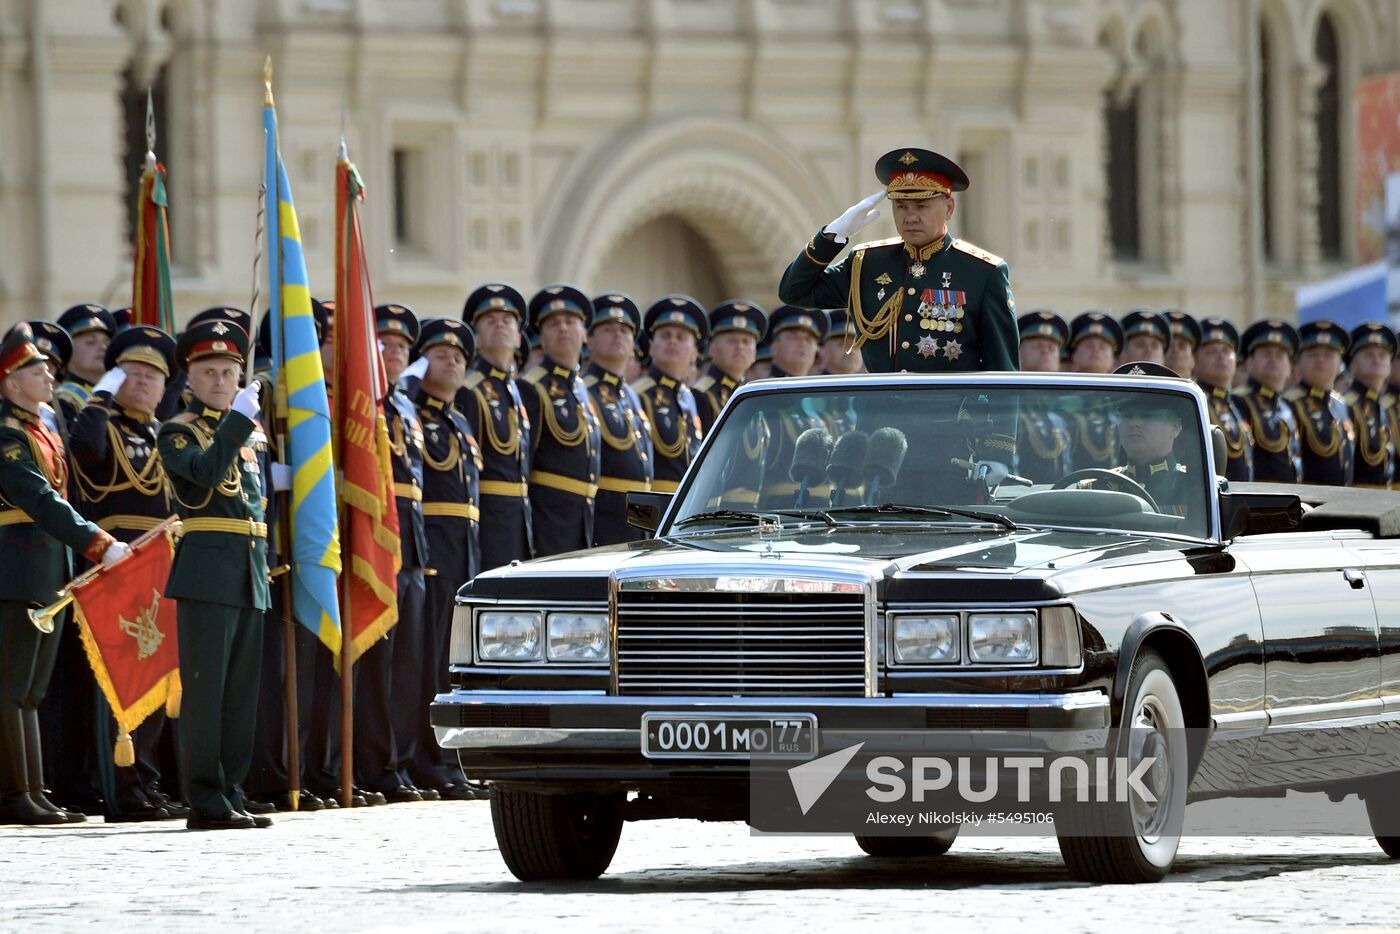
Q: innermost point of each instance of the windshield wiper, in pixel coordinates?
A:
(940, 511)
(741, 515)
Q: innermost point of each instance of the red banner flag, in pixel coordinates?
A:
(128, 630)
(369, 528)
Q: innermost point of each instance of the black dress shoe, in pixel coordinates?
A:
(174, 808)
(20, 809)
(429, 794)
(402, 794)
(308, 802)
(251, 806)
(457, 791)
(231, 820)
(139, 815)
(69, 817)
(373, 798)
(259, 821)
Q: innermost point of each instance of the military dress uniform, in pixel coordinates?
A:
(1368, 409)
(1326, 432)
(1272, 423)
(626, 454)
(565, 460)
(215, 462)
(779, 428)
(1148, 322)
(714, 387)
(944, 307)
(491, 400)
(122, 487)
(1227, 411)
(1094, 426)
(451, 520)
(73, 393)
(669, 404)
(1043, 442)
(39, 530)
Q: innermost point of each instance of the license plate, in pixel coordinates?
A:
(729, 736)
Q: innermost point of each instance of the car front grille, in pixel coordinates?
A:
(741, 644)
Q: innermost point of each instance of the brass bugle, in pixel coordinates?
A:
(42, 617)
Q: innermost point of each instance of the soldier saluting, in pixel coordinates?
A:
(212, 454)
(38, 531)
(924, 301)
(91, 328)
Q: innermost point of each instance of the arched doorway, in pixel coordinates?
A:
(664, 255)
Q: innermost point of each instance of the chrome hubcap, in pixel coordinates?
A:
(1148, 740)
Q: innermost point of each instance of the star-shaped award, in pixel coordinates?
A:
(928, 347)
(953, 350)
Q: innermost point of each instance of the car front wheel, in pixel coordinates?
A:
(1383, 808)
(1134, 840)
(896, 847)
(555, 837)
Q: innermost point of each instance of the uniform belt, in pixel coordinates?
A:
(557, 481)
(665, 486)
(619, 485)
(128, 523)
(457, 510)
(228, 526)
(408, 491)
(505, 488)
(13, 516)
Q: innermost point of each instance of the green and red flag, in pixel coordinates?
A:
(150, 281)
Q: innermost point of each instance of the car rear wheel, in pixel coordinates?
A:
(894, 847)
(555, 837)
(1135, 840)
(1383, 808)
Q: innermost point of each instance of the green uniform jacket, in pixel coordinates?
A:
(37, 525)
(215, 474)
(945, 308)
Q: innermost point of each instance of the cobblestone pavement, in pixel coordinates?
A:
(434, 866)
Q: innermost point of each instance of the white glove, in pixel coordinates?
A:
(993, 473)
(857, 218)
(281, 477)
(246, 402)
(114, 553)
(414, 370)
(111, 381)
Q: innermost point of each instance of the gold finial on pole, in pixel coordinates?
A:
(267, 82)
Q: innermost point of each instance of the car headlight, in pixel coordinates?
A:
(510, 636)
(925, 639)
(578, 637)
(999, 638)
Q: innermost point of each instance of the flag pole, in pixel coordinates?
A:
(347, 657)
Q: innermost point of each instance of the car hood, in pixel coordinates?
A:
(1028, 563)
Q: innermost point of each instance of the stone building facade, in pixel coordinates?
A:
(1191, 153)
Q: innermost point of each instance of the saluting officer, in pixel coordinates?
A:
(1095, 340)
(923, 301)
(122, 487)
(451, 516)
(626, 461)
(676, 328)
(1186, 339)
(91, 328)
(212, 454)
(1373, 346)
(735, 330)
(1043, 442)
(565, 462)
(1215, 374)
(491, 401)
(1328, 436)
(38, 532)
(1269, 347)
(1146, 337)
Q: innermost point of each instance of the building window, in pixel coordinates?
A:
(1124, 195)
(409, 212)
(133, 101)
(1329, 142)
(1266, 136)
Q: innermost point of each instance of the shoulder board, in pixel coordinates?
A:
(703, 384)
(474, 379)
(643, 384)
(1296, 393)
(183, 418)
(534, 374)
(889, 241)
(13, 451)
(972, 249)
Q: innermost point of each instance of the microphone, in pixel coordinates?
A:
(847, 457)
(809, 457)
(883, 459)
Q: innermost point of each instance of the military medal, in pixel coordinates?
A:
(917, 270)
(947, 280)
(953, 350)
(928, 347)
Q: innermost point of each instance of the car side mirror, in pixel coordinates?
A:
(1259, 513)
(644, 510)
(1219, 449)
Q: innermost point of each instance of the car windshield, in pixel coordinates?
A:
(1004, 456)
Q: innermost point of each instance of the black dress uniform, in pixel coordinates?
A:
(1226, 410)
(122, 487)
(669, 403)
(713, 389)
(1273, 426)
(1094, 427)
(565, 460)
(219, 576)
(451, 516)
(1328, 437)
(626, 455)
(38, 532)
(73, 393)
(1375, 445)
(491, 400)
(1042, 438)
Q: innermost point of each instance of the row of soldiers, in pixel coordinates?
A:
(1273, 391)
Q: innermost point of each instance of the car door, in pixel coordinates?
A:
(1321, 654)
